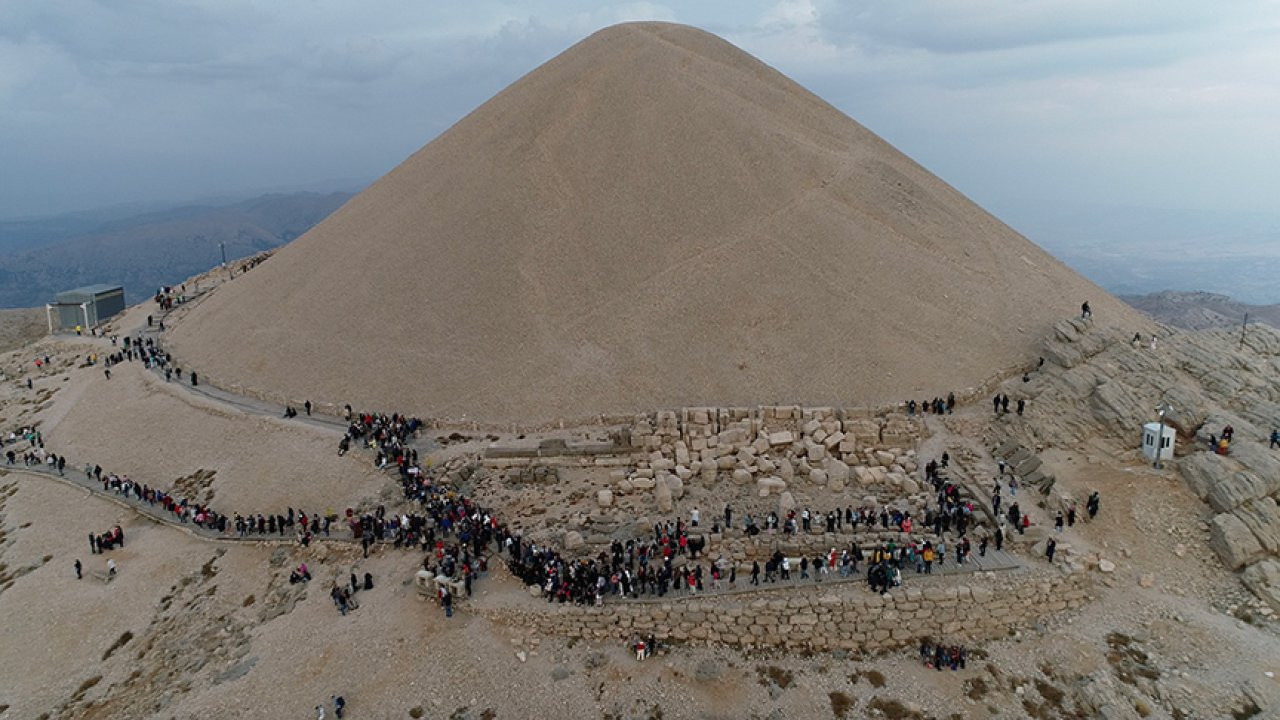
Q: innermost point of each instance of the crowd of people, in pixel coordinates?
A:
(450, 529)
(453, 532)
(936, 406)
(100, 543)
(938, 656)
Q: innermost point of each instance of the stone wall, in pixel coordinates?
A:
(805, 618)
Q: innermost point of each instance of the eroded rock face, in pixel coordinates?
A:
(1263, 578)
(1097, 383)
(1262, 517)
(1232, 540)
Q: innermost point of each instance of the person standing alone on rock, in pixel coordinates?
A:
(1085, 311)
(307, 406)
(1092, 504)
(1275, 438)
(1050, 548)
(79, 568)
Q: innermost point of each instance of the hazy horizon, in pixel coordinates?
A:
(1058, 117)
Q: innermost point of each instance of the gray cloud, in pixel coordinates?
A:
(1015, 103)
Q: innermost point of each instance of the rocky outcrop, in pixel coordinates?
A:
(1262, 517)
(1232, 540)
(1094, 384)
(1263, 578)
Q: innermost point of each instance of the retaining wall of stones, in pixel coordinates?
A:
(804, 619)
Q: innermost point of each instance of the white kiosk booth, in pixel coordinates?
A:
(1157, 439)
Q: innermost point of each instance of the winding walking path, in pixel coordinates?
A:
(995, 560)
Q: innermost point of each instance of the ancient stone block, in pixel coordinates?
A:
(783, 437)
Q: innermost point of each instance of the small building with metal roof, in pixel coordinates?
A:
(85, 307)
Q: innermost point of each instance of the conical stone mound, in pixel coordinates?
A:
(652, 219)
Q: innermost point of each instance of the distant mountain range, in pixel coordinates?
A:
(1201, 310)
(42, 257)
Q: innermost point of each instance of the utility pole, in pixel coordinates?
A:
(1243, 325)
(1160, 440)
(223, 247)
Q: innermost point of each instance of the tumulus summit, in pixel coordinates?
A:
(652, 219)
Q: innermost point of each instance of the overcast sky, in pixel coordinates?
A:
(1022, 104)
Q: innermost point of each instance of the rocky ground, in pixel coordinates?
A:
(192, 627)
(21, 326)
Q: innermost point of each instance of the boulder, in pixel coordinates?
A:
(709, 473)
(676, 484)
(604, 498)
(766, 485)
(883, 457)
(863, 475)
(766, 466)
(1106, 566)
(1232, 540)
(1263, 578)
(786, 503)
(642, 484)
(833, 440)
(785, 470)
(814, 451)
(662, 494)
(818, 476)
(682, 454)
(1262, 517)
(784, 437)
(572, 540)
(683, 472)
(909, 486)
(836, 470)
(741, 476)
